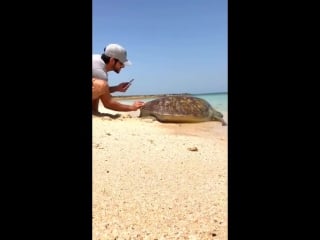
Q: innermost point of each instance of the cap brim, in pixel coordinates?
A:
(128, 63)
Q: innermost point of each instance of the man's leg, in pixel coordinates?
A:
(98, 89)
(95, 106)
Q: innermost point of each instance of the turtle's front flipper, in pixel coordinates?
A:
(221, 120)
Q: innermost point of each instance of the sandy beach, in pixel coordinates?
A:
(153, 180)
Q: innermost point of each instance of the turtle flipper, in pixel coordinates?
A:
(221, 120)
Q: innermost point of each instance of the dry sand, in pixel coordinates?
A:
(158, 181)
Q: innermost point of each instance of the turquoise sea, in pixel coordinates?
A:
(218, 101)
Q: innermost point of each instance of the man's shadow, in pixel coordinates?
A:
(113, 116)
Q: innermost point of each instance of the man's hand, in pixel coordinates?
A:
(122, 87)
(137, 104)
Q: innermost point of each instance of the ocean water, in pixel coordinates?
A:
(218, 101)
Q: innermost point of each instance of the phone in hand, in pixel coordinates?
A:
(130, 82)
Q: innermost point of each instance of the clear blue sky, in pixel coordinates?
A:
(175, 46)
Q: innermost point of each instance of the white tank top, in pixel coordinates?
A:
(99, 67)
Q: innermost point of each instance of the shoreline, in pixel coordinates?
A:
(142, 96)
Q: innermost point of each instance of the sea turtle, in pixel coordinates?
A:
(181, 109)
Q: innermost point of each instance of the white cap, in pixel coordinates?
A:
(118, 52)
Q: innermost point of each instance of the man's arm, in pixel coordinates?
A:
(113, 89)
(110, 103)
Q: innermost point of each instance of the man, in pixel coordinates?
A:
(114, 59)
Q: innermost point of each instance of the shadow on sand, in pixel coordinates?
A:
(113, 116)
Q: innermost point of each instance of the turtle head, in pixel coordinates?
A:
(217, 116)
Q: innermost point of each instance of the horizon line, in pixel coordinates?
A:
(167, 94)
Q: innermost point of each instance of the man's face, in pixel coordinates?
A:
(117, 65)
